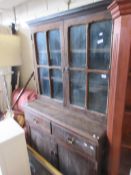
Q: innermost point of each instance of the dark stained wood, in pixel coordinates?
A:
(39, 137)
(73, 164)
(38, 122)
(77, 123)
(52, 127)
(129, 74)
(71, 137)
(87, 64)
(85, 20)
(35, 56)
(121, 13)
(98, 71)
(89, 70)
(45, 145)
(128, 94)
(47, 28)
(48, 56)
(126, 135)
(63, 61)
(79, 144)
(125, 163)
(125, 8)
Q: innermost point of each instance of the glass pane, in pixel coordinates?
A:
(100, 43)
(55, 47)
(77, 88)
(45, 87)
(78, 46)
(44, 81)
(99, 60)
(55, 73)
(44, 72)
(42, 58)
(57, 89)
(41, 48)
(56, 77)
(98, 87)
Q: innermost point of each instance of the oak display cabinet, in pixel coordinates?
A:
(67, 123)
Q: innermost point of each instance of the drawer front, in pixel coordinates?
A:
(39, 123)
(78, 143)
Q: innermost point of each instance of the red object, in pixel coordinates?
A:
(27, 96)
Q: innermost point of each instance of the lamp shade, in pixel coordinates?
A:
(10, 50)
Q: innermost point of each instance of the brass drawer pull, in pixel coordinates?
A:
(70, 140)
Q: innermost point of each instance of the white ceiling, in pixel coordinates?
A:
(9, 4)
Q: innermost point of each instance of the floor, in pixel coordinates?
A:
(36, 167)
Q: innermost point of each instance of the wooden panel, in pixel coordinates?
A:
(38, 122)
(45, 145)
(121, 13)
(130, 62)
(78, 143)
(75, 121)
(128, 93)
(72, 164)
(126, 138)
(125, 164)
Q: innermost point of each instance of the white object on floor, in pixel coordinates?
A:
(13, 151)
(0, 172)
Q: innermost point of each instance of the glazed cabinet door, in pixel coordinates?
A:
(87, 48)
(71, 163)
(49, 51)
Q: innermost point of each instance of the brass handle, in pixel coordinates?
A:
(70, 140)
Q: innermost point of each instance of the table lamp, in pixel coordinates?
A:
(10, 55)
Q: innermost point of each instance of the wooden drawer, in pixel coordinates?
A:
(38, 122)
(78, 143)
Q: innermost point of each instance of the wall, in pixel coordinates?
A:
(32, 10)
(3, 104)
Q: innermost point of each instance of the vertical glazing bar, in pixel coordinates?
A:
(87, 65)
(48, 55)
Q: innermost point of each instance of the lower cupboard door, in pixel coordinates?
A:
(71, 163)
(45, 145)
